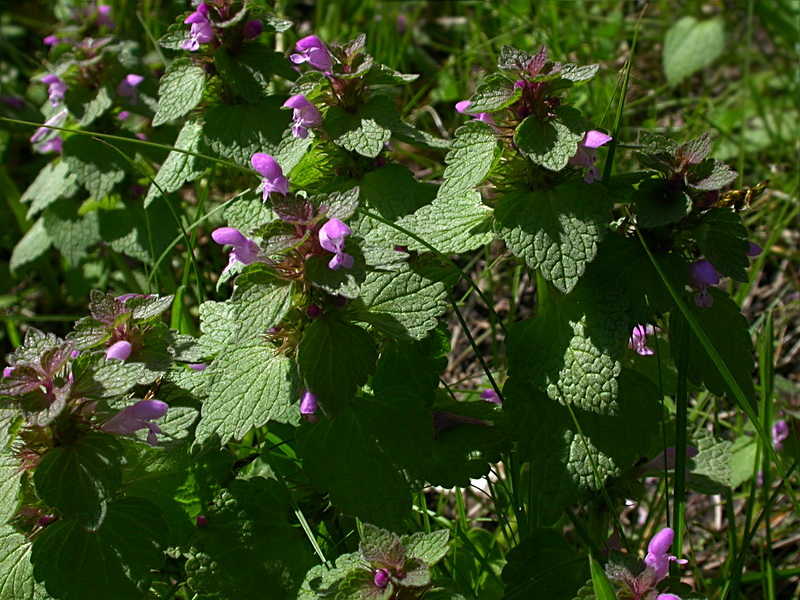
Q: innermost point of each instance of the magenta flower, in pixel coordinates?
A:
(657, 559)
(754, 249)
(491, 396)
(51, 40)
(308, 407)
(273, 181)
(483, 116)
(252, 29)
(381, 578)
(104, 16)
(304, 115)
(127, 87)
(53, 145)
(667, 597)
(200, 31)
(780, 431)
(638, 339)
(56, 88)
(55, 121)
(312, 50)
(586, 157)
(138, 416)
(198, 366)
(702, 274)
(121, 350)
(244, 249)
(331, 238)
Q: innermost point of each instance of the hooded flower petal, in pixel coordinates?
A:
(252, 29)
(56, 88)
(702, 274)
(483, 116)
(638, 339)
(138, 416)
(331, 238)
(121, 350)
(586, 156)
(127, 87)
(273, 180)
(304, 115)
(657, 559)
(309, 406)
(312, 50)
(244, 249)
(491, 396)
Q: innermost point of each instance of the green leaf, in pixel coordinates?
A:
(246, 70)
(249, 550)
(249, 385)
(10, 475)
(140, 234)
(54, 181)
(451, 224)
(96, 166)
(403, 304)
(495, 93)
(467, 450)
(711, 470)
(115, 561)
(367, 467)
(335, 357)
(259, 301)
(430, 548)
(603, 589)
(566, 464)
(543, 565)
(556, 230)
(79, 479)
(180, 90)
(381, 547)
(723, 240)
(248, 212)
(551, 143)
(691, 45)
(95, 107)
(392, 191)
(339, 282)
(470, 158)
(364, 131)
(413, 365)
(179, 167)
(238, 131)
(657, 206)
(72, 233)
(16, 571)
(729, 333)
(710, 174)
(32, 245)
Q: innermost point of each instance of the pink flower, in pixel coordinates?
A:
(51, 40)
(586, 154)
(331, 238)
(309, 406)
(381, 578)
(53, 145)
(104, 16)
(244, 249)
(200, 31)
(702, 274)
(491, 396)
(56, 89)
(127, 87)
(252, 29)
(638, 339)
(754, 249)
(483, 116)
(312, 50)
(121, 350)
(657, 559)
(780, 431)
(55, 121)
(273, 180)
(138, 416)
(304, 115)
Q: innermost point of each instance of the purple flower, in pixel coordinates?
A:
(331, 238)
(123, 114)
(491, 396)
(780, 431)
(55, 121)
(638, 339)
(312, 50)
(304, 115)
(754, 249)
(273, 181)
(56, 88)
(104, 16)
(53, 145)
(702, 274)
(200, 31)
(127, 87)
(244, 249)
(657, 559)
(381, 578)
(483, 116)
(308, 407)
(667, 597)
(585, 157)
(252, 29)
(198, 366)
(7, 371)
(51, 40)
(138, 416)
(121, 350)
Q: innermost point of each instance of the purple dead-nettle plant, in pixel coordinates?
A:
(127, 87)
(244, 250)
(138, 416)
(56, 89)
(120, 350)
(331, 238)
(273, 181)
(586, 156)
(480, 116)
(702, 274)
(304, 115)
(201, 31)
(638, 339)
(312, 50)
